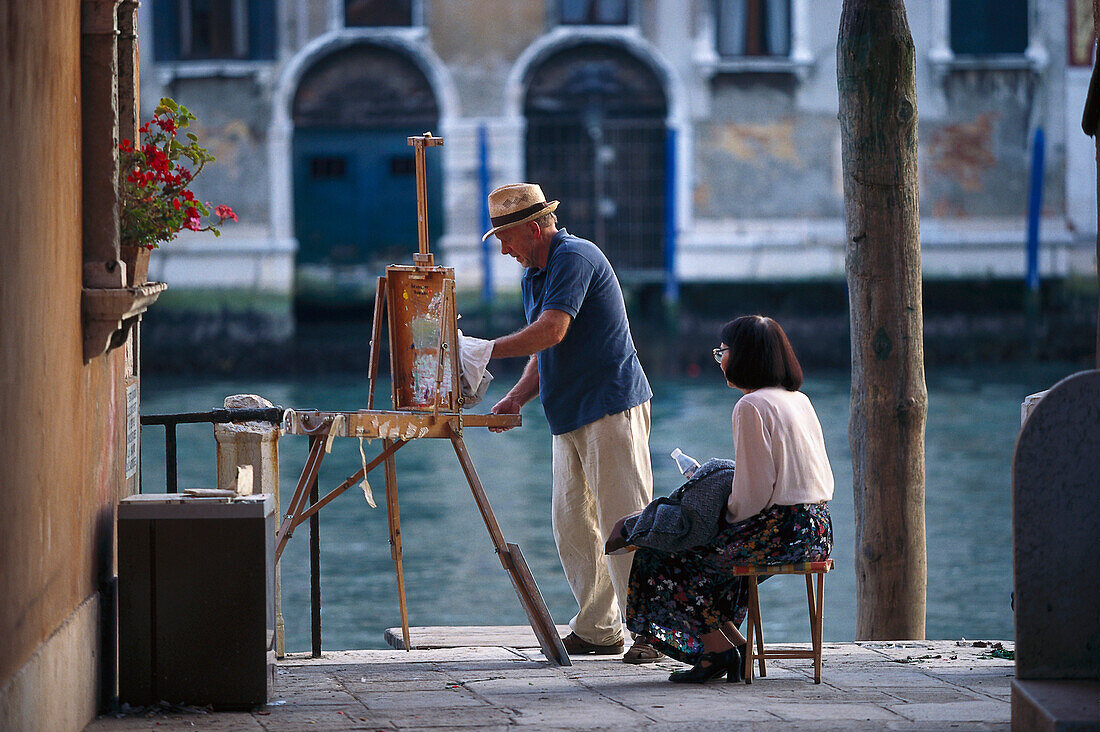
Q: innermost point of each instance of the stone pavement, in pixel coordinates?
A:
(912, 685)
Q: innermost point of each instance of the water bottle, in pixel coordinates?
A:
(687, 464)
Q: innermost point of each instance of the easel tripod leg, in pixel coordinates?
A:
(315, 569)
(298, 500)
(394, 518)
(512, 559)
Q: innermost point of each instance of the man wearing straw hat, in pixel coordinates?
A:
(585, 368)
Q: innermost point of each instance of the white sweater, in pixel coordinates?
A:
(780, 453)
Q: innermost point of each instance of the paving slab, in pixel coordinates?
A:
(221, 722)
(467, 636)
(326, 718)
(452, 697)
(436, 655)
(968, 711)
(702, 711)
(468, 718)
(832, 711)
(489, 686)
(929, 695)
(918, 685)
(362, 684)
(576, 712)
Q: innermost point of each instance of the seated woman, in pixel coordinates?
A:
(688, 602)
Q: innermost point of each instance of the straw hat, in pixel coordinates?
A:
(516, 204)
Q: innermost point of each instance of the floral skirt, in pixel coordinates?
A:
(677, 598)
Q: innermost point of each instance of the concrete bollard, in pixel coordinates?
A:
(1055, 515)
(246, 447)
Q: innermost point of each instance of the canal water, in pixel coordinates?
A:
(453, 577)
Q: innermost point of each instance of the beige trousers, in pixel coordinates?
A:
(602, 472)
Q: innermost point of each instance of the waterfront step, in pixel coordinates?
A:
(465, 636)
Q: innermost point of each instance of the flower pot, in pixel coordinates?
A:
(137, 264)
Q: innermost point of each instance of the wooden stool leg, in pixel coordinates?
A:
(759, 626)
(752, 625)
(818, 625)
(813, 616)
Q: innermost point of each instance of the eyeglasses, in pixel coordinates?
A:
(718, 353)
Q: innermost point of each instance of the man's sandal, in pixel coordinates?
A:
(642, 652)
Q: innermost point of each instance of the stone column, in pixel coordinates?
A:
(128, 104)
(99, 144)
(254, 445)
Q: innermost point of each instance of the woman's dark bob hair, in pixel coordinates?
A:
(760, 354)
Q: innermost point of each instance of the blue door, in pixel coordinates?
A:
(355, 197)
(354, 172)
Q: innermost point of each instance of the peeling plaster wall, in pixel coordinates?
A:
(760, 156)
(62, 440)
(233, 117)
(479, 42)
(976, 159)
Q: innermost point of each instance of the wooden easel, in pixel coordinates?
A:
(427, 403)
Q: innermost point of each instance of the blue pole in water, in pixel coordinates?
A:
(483, 178)
(1034, 210)
(672, 284)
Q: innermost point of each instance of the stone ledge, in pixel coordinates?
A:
(1063, 705)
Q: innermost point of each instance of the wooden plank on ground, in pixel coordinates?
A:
(467, 636)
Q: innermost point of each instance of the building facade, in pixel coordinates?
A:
(694, 140)
(69, 364)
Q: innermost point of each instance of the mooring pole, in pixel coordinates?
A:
(876, 79)
(486, 224)
(1032, 294)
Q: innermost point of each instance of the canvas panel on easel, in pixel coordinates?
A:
(421, 308)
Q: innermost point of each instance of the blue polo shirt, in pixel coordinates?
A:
(595, 370)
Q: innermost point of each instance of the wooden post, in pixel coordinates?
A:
(889, 401)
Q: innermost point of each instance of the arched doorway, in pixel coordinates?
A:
(596, 140)
(354, 173)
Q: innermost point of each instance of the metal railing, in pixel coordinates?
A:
(274, 415)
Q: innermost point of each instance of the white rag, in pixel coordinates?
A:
(473, 357)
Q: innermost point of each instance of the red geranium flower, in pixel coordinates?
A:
(224, 212)
(154, 175)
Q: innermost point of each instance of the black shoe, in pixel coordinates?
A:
(717, 664)
(736, 670)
